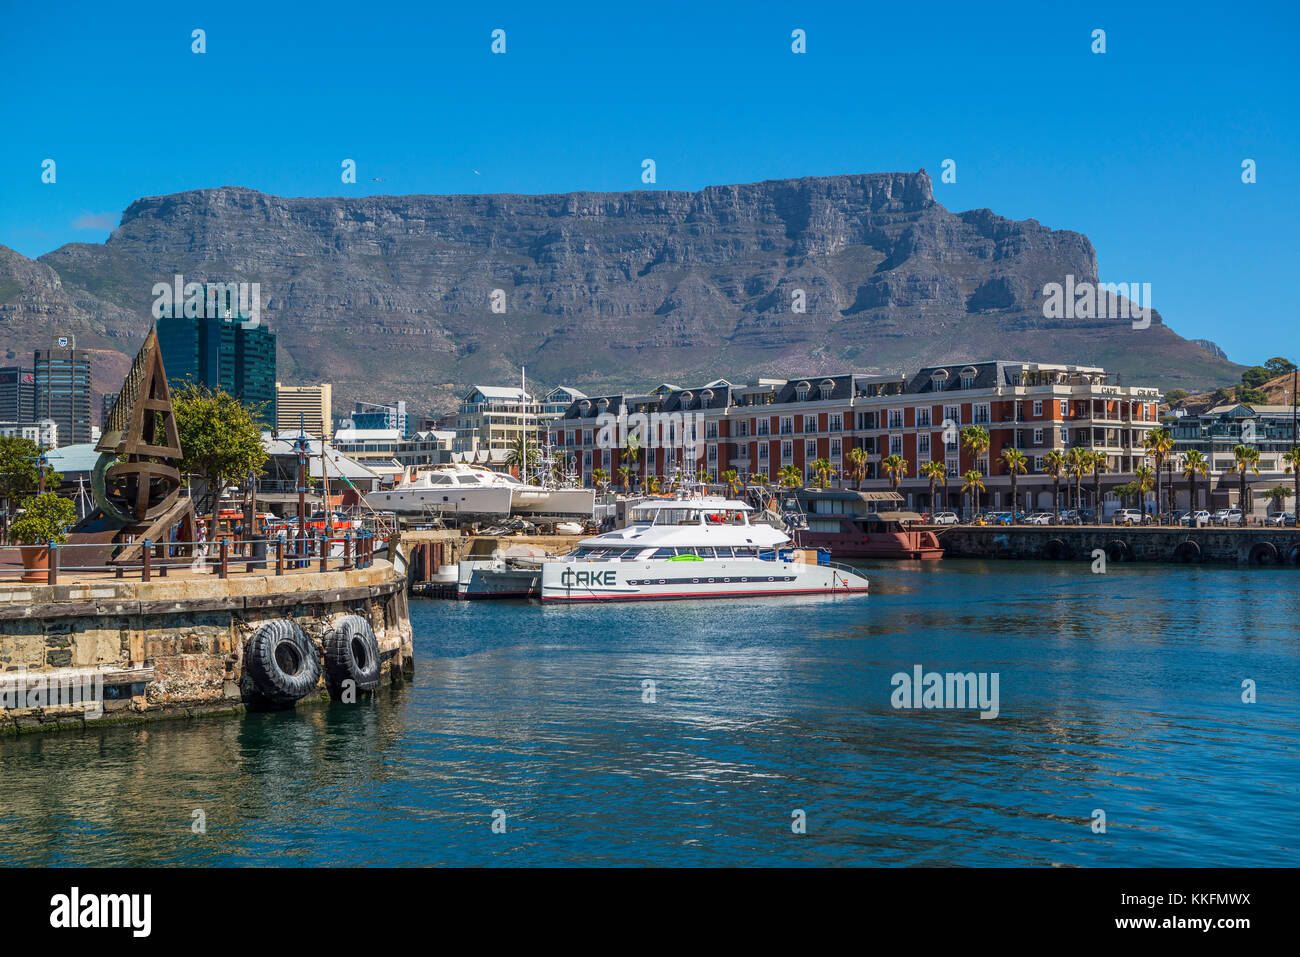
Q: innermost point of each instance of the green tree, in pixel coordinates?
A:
(1159, 443)
(1144, 480)
(522, 455)
(1194, 464)
(1279, 366)
(1255, 376)
(1247, 457)
(19, 475)
(1015, 462)
(625, 474)
(1055, 465)
(732, 478)
(790, 476)
(44, 518)
(895, 469)
(1097, 460)
(1175, 397)
(220, 439)
(1292, 459)
(857, 457)
(822, 469)
(935, 472)
(600, 478)
(974, 485)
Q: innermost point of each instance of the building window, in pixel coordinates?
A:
(1038, 436)
(711, 429)
(835, 448)
(1038, 463)
(586, 437)
(923, 444)
(713, 453)
(762, 451)
(981, 413)
(1065, 436)
(810, 423)
(952, 413)
(968, 382)
(895, 445)
(923, 416)
(1038, 408)
(787, 425)
(1065, 408)
(836, 422)
(763, 427)
(895, 418)
(787, 451)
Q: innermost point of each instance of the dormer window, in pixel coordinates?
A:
(968, 377)
(801, 391)
(827, 387)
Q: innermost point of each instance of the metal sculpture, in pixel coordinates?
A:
(136, 482)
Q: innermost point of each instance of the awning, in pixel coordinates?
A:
(896, 516)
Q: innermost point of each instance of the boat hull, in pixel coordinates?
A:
(579, 581)
(495, 579)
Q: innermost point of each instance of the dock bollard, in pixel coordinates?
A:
(324, 552)
(52, 575)
(347, 551)
(145, 555)
(223, 550)
(279, 556)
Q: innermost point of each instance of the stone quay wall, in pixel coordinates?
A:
(174, 646)
(1229, 546)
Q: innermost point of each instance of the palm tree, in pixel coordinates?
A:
(934, 471)
(1145, 480)
(976, 439)
(522, 455)
(600, 478)
(822, 468)
(631, 450)
(895, 467)
(1015, 461)
(1247, 457)
(1194, 463)
(1292, 459)
(1054, 463)
(974, 485)
(625, 474)
(652, 485)
(790, 476)
(1075, 464)
(857, 457)
(1158, 443)
(1098, 462)
(1278, 496)
(732, 478)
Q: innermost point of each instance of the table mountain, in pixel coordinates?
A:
(391, 296)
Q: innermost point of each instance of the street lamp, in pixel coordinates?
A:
(42, 465)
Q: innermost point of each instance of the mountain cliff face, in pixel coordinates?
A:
(392, 296)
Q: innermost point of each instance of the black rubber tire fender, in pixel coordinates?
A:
(1264, 553)
(1187, 551)
(352, 653)
(282, 662)
(1118, 551)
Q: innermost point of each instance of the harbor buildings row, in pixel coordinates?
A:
(774, 423)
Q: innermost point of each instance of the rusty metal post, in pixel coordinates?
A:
(223, 568)
(52, 576)
(146, 556)
(324, 553)
(279, 556)
(347, 551)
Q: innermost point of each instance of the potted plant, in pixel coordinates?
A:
(44, 519)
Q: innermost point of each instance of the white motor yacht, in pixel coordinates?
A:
(692, 548)
(470, 492)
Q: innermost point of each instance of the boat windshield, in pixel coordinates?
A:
(693, 515)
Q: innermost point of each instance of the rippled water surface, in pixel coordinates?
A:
(1120, 692)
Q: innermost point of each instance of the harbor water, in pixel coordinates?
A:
(740, 732)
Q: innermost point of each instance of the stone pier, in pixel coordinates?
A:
(174, 646)
(1253, 545)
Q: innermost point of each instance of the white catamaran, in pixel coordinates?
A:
(692, 548)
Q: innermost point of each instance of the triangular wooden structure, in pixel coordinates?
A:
(137, 482)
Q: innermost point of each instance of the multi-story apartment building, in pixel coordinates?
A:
(774, 423)
(45, 433)
(1215, 433)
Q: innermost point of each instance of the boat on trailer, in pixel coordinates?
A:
(704, 547)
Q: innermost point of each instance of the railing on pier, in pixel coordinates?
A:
(222, 558)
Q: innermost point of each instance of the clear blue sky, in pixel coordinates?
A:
(1140, 148)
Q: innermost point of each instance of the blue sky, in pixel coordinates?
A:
(1140, 148)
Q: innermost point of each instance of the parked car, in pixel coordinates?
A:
(1227, 516)
(1038, 518)
(1281, 519)
(1070, 517)
(1198, 517)
(998, 518)
(943, 518)
(1127, 516)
